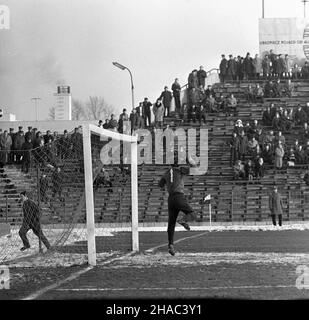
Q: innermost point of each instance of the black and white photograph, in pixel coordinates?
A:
(154, 154)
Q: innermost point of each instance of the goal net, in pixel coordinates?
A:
(76, 180)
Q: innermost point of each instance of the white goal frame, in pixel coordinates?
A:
(87, 130)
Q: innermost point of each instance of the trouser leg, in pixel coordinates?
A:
(273, 217)
(280, 219)
(23, 234)
(37, 230)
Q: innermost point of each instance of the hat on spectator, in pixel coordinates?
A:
(29, 127)
(11, 129)
(20, 127)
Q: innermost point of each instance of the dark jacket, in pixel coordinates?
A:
(166, 97)
(31, 213)
(275, 203)
(173, 178)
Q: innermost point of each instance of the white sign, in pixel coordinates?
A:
(285, 36)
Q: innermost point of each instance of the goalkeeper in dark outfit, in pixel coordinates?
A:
(31, 220)
(177, 201)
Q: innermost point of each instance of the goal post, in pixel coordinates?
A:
(88, 129)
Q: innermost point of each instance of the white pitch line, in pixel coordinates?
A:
(177, 241)
(75, 275)
(72, 277)
(177, 288)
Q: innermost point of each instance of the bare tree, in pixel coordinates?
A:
(98, 109)
(52, 113)
(78, 110)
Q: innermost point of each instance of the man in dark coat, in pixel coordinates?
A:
(57, 183)
(133, 120)
(201, 75)
(48, 136)
(176, 88)
(31, 220)
(166, 97)
(146, 111)
(248, 67)
(19, 140)
(12, 152)
(223, 68)
(26, 155)
(275, 206)
(232, 68)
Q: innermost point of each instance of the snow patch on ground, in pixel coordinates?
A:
(204, 259)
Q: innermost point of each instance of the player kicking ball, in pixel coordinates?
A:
(177, 201)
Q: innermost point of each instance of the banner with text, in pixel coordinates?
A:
(285, 36)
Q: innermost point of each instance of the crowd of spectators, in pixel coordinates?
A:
(256, 145)
(271, 66)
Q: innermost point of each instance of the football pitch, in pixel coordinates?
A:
(261, 263)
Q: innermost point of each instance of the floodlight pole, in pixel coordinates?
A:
(122, 67)
(304, 1)
(263, 9)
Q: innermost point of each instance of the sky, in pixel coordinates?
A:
(74, 42)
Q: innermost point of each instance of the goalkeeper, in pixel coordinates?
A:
(177, 201)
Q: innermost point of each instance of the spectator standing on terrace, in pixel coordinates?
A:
(269, 90)
(286, 122)
(280, 66)
(100, 124)
(5, 147)
(278, 89)
(12, 151)
(242, 146)
(122, 118)
(305, 71)
(295, 71)
(233, 148)
(31, 220)
(201, 75)
(48, 136)
(258, 93)
(305, 132)
(259, 168)
(166, 97)
(279, 154)
(253, 147)
(267, 155)
(299, 155)
(270, 139)
(133, 120)
(26, 155)
(276, 123)
(18, 142)
(64, 145)
(146, 111)
(257, 67)
(223, 68)
(266, 66)
(28, 134)
(238, 128)
(287, 66)
(266, 117)
(249, 170)
(275, 206)
(113, 124)
(289, 88)
(158, 111)
(174, 180)
(239, 70)
(210, 91)
(231, 68)
(106, 124)
(248, 67)
(176, 88)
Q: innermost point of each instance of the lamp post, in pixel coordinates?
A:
(36, 106)
(304, 1)
(120, 66)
